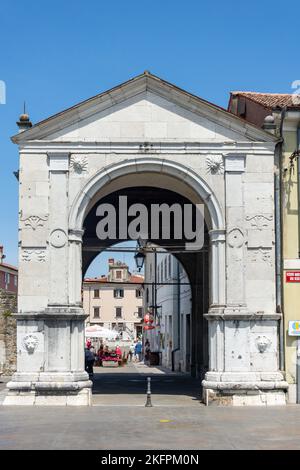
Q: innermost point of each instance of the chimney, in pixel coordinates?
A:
(111, 261)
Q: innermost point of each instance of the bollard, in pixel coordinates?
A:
(148, 402)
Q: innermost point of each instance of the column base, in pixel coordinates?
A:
(49, 389)
(244, 389)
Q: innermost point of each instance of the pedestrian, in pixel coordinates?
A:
(118, 351)
(89, 361)
(138, 351)
(100, 354)
(130, 352)
(147, 352)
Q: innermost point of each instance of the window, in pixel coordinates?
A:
(6, 278)
(118, 312)
(15, 281)
(96, 294)
(138, 293)
(170, 264)
(140, 312)
(96, 312)
(166, 274)
(118, 293)
(119, 274)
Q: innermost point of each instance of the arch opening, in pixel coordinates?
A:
(186, 350)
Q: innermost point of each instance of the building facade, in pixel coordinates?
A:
(150, 141)
(169, 290)
(115, 301)
(280, 114)
(8, 275)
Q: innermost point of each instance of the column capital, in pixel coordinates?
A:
(217, 235)
(75, 235)
(235, 162)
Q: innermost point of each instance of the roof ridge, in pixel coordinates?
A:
(262, 93)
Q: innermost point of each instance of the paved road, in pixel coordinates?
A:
(177, 420)
(149, 428)
(127, 386)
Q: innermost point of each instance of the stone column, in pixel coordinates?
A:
(218, 269)
(75, 266)
(51, 340)
(243, 339)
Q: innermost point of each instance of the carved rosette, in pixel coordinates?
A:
(235, 238)
(215, 164)
(78, 164)
(58, 238)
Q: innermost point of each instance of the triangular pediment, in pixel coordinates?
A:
(142, 109)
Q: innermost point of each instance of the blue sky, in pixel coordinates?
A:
(55, 54)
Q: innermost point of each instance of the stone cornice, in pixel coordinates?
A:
(225, 314)
(151, 147)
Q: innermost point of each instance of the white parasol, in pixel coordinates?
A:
(97, 331)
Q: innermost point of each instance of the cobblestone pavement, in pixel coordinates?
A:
(119, 419)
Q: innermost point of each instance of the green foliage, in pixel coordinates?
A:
(7, 313)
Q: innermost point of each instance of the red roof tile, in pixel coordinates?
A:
(134, 278)
(8, 266)
(271, 100)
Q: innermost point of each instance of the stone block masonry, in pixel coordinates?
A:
(8, 332)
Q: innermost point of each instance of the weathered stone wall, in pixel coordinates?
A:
(8, 332)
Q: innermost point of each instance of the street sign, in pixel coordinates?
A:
(292, 276)
(294, 328)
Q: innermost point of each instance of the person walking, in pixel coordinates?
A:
(89, 360)
(147, 352)
(131, 352)
(138, 351)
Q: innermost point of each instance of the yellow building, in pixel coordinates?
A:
(280, 114)
(115, 301)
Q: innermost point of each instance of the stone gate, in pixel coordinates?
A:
(146, 132)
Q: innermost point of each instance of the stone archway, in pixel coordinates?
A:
(187, 183)
(62, 326)
(147, 128)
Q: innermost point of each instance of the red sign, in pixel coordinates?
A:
(149, 327)
(292, 276)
